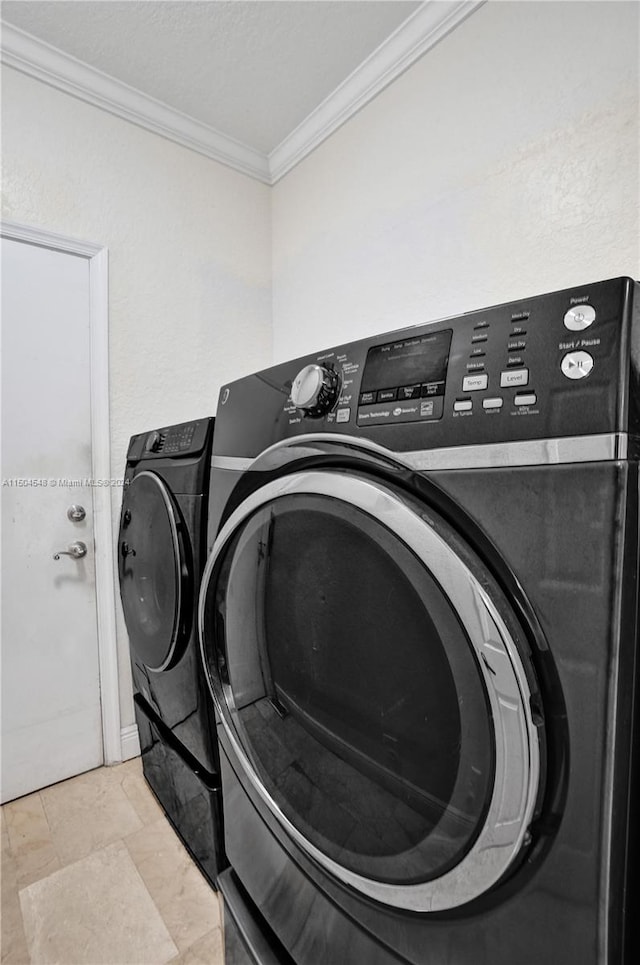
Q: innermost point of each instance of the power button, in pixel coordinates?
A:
(579, 317)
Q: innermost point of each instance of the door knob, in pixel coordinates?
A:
(76, 513)
(77, 550)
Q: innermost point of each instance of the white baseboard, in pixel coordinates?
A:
(129, 742)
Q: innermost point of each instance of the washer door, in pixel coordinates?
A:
(153, 572)
(368, 675)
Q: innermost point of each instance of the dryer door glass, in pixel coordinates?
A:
(151, 563)
(355, 686)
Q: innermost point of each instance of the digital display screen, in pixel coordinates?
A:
(412, 361)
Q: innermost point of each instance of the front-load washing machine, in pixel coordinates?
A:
(161, 555)
(419, 621)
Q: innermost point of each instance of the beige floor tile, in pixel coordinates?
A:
(208, 950)
(188, 905)
(3, 825)
(4, 832)
(118, 772)
(30, 839)
(13, 944)
(141, 797)
(131, 779)
(95, 911)
(134, 764)
(89, 812)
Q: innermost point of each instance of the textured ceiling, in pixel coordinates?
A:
(252, 70)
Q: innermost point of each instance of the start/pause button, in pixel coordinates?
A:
(576, 365)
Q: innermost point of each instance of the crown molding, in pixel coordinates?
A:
(40, 60)
(432, 21)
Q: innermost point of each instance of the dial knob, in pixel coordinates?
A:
(314, 390)
(154, 441)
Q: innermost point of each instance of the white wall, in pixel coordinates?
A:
(189, 258)
(502, 164)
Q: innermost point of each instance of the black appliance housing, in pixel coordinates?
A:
(161, 554)
(419, 622)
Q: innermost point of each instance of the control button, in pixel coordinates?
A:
(462, 405)
(478, 353)
(475, 366)
(515, 361)
(432, 388)
(492, 403)
(479, 338)
(482, 324)
(518, 331)
(579, 317)
(475, 383)
(387, 395)
(528, 398)
(343, 415)
(409, 392)
(367, 398)
(517, 345)
(514, 377)
(576, 365)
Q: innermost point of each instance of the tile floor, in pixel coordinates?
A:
(92, 872)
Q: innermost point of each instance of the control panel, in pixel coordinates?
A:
(187, 439)
(172, 440)
(545, 367)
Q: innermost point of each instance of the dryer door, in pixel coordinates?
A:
(153, 570)
(369, 677)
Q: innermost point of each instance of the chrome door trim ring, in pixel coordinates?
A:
(164, 492)
(517, 749)
(535, 452)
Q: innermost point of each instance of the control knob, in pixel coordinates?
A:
(154, 441)
(314, 390)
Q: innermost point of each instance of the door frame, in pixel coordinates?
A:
(98, 261)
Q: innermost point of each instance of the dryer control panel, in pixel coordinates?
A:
(186, 439)
(556, 365)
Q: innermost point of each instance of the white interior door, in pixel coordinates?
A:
(51, 717)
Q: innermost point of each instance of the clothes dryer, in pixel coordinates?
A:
(419, 622)
(161, 554)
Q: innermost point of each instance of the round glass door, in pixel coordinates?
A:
(152, 569)
(370, 689)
